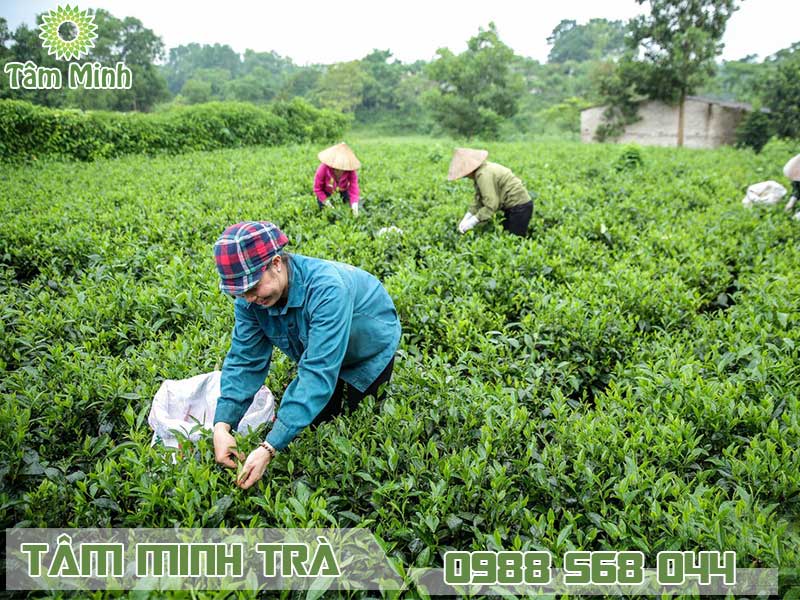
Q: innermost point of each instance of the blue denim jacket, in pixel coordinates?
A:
(338, 322)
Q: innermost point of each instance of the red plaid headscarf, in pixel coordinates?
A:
(243, 250)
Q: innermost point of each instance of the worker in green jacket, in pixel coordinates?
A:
(496, 188)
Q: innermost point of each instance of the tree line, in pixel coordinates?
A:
(487, 90)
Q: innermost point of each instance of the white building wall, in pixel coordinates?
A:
(706, 125)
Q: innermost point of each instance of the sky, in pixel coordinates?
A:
(326, 32)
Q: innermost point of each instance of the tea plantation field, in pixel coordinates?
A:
(627, 378)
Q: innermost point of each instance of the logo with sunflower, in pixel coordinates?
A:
(68, 32)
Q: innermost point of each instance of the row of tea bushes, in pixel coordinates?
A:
(31, 132)
(624, 379)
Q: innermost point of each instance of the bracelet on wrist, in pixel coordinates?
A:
(266, 446)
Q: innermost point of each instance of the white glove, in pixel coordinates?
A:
(468, 222)
(461, 223)
(327, 204)
(354, 206)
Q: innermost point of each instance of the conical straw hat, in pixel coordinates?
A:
(339, 157)
(792, 169)
(465, 161)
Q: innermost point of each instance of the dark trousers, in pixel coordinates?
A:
(345, 395)
(345, 195)
(516, 219)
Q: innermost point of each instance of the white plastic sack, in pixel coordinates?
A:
(766, 192)
(182, 404)
(392, 229)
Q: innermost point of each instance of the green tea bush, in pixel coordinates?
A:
(629, 158)
(625, 378)
(29, 132)
(755, 130)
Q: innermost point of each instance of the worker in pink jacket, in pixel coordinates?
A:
(337, 173)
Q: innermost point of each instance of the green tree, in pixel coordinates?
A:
(561, 86)
(737, 80)
(564, 116)
(196, 91)
(413, 86)
(217, 77)
(341, 87)
(264, 74)
(383, 78)
(599, 38)
(476, 89)
(272, 63)
(119, 40)
(185, 60)
(258, 87)
(5, 38)
(25, 45)
(678, 41)
(300, 83)
(130, 42)
(754, 131)
(784, 54)
(618, 86)
(782, 92)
